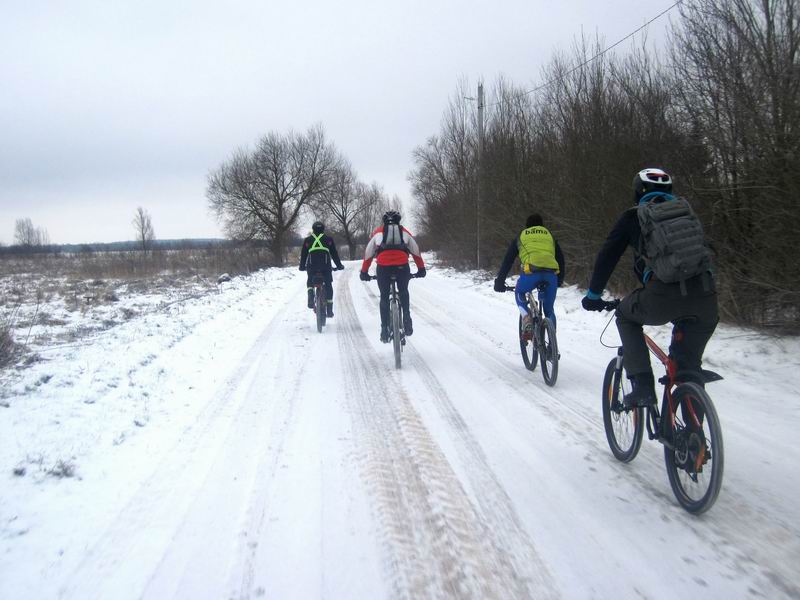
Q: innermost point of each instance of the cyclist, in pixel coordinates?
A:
(541, 260)
(390, 246)
(656, 302)
(315, 258)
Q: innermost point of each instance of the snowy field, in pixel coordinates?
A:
(211, 444)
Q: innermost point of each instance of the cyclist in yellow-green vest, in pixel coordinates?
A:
(315, 258)
(540, 260)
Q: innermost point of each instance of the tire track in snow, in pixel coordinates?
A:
(436, 543)
(497, 509)
(145, 527)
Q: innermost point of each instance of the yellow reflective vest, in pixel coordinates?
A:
(537, 250)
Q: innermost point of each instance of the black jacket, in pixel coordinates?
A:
(513, 252)
(319, 260)
(626, 232)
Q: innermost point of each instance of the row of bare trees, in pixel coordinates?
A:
(720, 110)
(265, 192)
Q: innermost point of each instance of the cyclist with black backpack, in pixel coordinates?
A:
(673, 264)
(315, 258)
(390, 246)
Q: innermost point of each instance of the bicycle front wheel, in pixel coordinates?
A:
(319, 308)
(548, 352)
(527, 347)
(396, 333)
(624, 426)
(696, 459)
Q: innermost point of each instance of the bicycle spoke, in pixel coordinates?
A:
(695, 460)
(624, 426)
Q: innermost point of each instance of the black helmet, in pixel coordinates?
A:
(391, 216)
(533, 220)
(318, 227)
(651, 180)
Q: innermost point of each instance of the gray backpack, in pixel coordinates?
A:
(672, 241)
(392, 238)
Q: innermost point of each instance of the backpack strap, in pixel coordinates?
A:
(318, 245)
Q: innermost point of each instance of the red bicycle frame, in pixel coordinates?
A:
(669, 381)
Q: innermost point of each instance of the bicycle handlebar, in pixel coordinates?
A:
(413, 276)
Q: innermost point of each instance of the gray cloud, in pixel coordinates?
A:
(97, 95)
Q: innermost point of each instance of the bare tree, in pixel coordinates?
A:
(376, 202)
(260, 194)
(25, 234)
(351, 204)
(143, 225)
(737, 61)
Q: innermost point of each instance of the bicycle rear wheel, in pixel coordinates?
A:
(549, 352)
(396, 333)
(696, 460)
(527, 347)
(319, 307)
(624, 427)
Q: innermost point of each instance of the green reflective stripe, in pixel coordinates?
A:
(317, 245)
(537, 248)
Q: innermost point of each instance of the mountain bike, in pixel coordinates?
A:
(320, 300)
(687, 425)
(540, 344)
(396, 332)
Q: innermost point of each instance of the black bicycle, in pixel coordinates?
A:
(320, 302)
(687, 425)
(397, 333)
(320, 299)
(538, 343)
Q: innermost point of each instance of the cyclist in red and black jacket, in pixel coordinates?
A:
(315, 258)
(390, 246)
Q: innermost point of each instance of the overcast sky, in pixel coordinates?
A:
(106, 106)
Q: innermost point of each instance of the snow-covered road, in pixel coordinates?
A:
(279, 463)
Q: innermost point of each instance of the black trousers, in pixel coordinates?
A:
(403, 274)
(327, 276)
(658, 303)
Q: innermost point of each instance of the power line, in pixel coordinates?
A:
(599, 54)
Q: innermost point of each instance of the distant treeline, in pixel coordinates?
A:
(133, 246)
(718, 108)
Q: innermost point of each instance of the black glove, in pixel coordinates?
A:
(499, 285)
(597, 304)
(302, 267)
(364, 276)
(420, 272)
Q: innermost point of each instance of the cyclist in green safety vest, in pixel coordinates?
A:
(315, 258)
(540, 259)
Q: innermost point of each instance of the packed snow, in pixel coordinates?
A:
(214, 445)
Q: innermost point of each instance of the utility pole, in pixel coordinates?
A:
(480, 178)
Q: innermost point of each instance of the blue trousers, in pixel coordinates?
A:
(526, 283)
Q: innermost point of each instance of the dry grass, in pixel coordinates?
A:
(8, 347)
(98, 266)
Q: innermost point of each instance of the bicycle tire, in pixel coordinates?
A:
(396, 333)
(319, 308)
(696, 461)
(549, 351)
(624, 427)
(526, 346)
